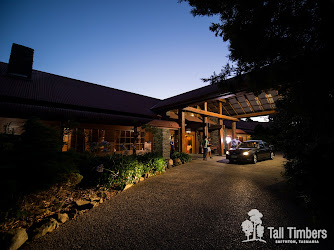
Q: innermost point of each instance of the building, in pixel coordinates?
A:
(91, 115)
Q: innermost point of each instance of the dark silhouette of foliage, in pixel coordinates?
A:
(304, 134)
(39, 155)
(265, 133)
(33, 160)
(287, 45)
(274, 32)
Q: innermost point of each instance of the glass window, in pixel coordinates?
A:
(66, 139)
(250, 144)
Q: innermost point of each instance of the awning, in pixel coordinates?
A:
(240, 131)
(164, 124)
(190, 118)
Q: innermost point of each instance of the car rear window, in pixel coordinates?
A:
(249, 144)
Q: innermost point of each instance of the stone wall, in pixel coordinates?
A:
(214, 135)
(161, 142)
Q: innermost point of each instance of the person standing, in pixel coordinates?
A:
(171, 145)
(209, 148)
(235, 143)
(205, 147)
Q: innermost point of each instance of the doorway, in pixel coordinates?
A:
(189, 144)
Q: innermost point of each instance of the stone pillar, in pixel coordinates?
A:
(161, 142)
(214, 136)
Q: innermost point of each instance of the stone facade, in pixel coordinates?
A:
(161, 142)
(214, 135)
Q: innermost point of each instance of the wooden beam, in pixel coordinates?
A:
(182, 131)
(220, 109)
(234, 130)
(203, 112)
(240, 105)
(232, 107)
(205, 121)
(214, 105)
(268, 112)
(226, 110)
(259, 102)
(221, 131)
(205, 106)
(271, 103)
(198, 115)
(249, 104)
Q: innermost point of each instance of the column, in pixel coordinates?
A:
(182, 130)
(234, 130)
(205, 121)
(196, 143)
(161, 143)
(221, 131)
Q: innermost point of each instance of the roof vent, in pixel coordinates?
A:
(20, 61)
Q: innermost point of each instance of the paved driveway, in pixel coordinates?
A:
(199, 205)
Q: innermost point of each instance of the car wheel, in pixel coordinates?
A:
(272, 155)
(254, 159)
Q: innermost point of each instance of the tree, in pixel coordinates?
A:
(287, 45)
(260, 231)
(253, 226)
(38, 166)
(266, 133)
(263, 33)
(247, 227)
(255, 217)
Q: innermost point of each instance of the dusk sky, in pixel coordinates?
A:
(150, 47)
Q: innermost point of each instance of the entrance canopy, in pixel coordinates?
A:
(212, 102)
(240, 104)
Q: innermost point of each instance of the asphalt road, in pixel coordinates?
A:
(199, 205)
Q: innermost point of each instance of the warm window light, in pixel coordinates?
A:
(192, 114)
(228, 139)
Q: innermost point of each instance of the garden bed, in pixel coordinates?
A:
(96, 179)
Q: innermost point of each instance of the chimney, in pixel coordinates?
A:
(20, 61)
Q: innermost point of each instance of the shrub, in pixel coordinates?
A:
(116, 171)
(34, 160)
(153, 163)
(184, 157)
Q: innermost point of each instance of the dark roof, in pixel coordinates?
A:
(58, 92)
(234, 94)
(199, 95)
(8, 109)
(53, 96)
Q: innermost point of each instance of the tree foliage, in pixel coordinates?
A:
(286, 45)
(262, 33)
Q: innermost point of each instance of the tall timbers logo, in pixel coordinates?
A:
(253, 228)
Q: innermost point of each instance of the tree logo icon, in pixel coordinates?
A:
(253, 228)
